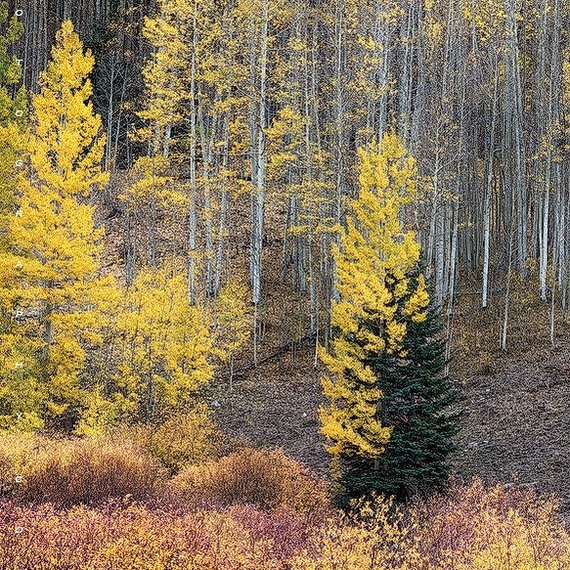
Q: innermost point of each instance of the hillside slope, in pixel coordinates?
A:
(516, 422)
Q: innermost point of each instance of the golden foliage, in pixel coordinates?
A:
(184, 439)
(232, 322)
(164, 346)
(375, 537)
(48, 273)
(374, 263)
(13, 113)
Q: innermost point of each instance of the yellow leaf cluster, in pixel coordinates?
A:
(48, 272)
(232, 321)
(374, 262)
(165, 345)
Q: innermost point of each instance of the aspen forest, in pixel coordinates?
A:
(284, 285)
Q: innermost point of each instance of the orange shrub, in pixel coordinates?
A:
(90, 472)
(265, 479)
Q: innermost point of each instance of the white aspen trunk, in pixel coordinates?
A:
(110, 111)
(339, 111)
(453, 258)
(439, 255)
(382, 38)
(544, 236)
(224, 212)
(258, 198)
(206, 145)
(521, 189)
(553, 97)
(488, 193)
(552, 315)
(504, 332)
(193, 189)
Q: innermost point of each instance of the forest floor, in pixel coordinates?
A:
(515, 425)
(516, 420)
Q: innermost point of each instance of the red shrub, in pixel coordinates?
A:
(38, 538)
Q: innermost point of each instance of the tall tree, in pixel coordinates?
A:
(375, 264)
(49, 274)
(417, 402)
(13, 111)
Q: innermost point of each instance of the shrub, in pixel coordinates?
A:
(471, 528)
(184, 439)
(285, 529)
(498, 528)
(90, 472)
(18, 453)
(262, 478)
(375, 536)
(33, 538)
(188, 439)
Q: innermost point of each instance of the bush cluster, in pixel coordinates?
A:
(266, 479)
(101, 503)
(184, 439)
(472, 528)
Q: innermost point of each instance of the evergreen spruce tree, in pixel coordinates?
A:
(417, 401)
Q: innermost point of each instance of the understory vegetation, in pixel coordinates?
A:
(191, 192)
(112, 503)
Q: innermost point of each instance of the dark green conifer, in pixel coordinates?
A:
(419, 401)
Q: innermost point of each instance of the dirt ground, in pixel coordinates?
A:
(516, 421)
(516, 424)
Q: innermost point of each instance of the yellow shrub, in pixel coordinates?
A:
(374, 538)
(188, 439)
(184, 439)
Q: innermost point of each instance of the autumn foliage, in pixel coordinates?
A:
(268, 480)
(374, 262)
(70, 472)
(469, 528)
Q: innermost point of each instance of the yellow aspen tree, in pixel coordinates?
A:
(374, 260)
(232, 323)
(164, 348)
(188, 82)
(49, 273)
(13, 114)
